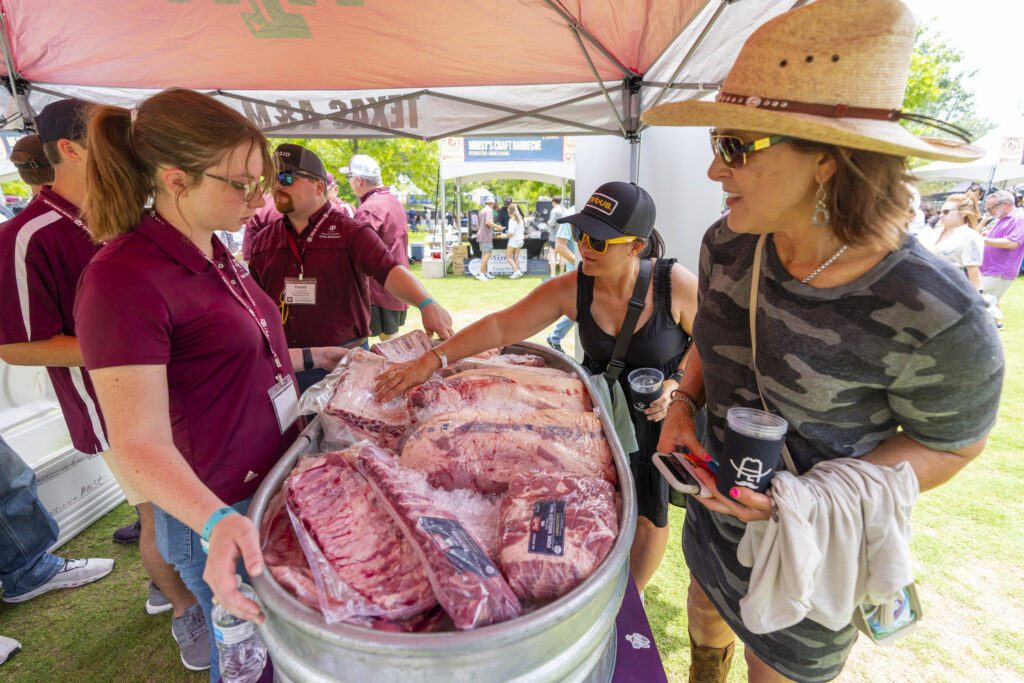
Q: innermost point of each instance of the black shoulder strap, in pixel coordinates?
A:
(636, 307)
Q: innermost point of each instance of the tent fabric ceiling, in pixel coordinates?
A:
(378, 68)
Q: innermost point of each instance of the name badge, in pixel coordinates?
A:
(284, 396)
(299, 292)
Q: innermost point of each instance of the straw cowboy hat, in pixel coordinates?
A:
(833, 71)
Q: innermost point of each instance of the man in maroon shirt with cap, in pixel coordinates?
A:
(315, 262)
(43, 251)
(384, 213)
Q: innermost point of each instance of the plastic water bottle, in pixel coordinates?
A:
(240, 649)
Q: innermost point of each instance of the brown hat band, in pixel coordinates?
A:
(841, 111)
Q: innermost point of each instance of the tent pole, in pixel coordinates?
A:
(12, 76)
(634, 160)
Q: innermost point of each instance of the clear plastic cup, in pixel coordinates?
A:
(645, 385)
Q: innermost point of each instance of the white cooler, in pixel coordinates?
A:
(76, 488)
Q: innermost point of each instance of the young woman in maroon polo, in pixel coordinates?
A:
(188, 356)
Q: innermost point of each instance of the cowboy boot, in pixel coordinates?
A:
(709, 664)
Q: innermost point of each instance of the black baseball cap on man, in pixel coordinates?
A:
(64, 119)
(616, 209)
(291, 157)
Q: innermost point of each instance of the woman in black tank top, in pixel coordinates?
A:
(615, 232)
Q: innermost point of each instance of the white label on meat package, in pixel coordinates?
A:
(458, 546)
(547, 528)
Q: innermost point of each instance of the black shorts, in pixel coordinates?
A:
(385, 321)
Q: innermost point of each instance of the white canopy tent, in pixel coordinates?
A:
(1003, 163)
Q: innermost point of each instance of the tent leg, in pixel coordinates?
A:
(634, 160)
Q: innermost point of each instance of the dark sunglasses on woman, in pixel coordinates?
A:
(733, 151)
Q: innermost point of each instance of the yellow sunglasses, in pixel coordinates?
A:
(600, 246)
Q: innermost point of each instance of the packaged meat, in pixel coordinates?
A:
(555, 530)
(282, 555)
(492, 361)
(354, 414)
(483, 450)
(403, 348)
(465, 579)
(506, 389)
(362, 563)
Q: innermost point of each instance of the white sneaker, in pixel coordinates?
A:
(481, 277)
(8, 648)
(516, 275)
(75, 573)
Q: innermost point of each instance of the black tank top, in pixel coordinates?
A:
(660, 343)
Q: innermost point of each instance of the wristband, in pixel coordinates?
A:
(678, 395)
(677, 377)
(426, 302)
(307, 359)
(441, 356)
(212, 522)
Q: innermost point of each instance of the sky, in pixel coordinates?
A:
(990, 33)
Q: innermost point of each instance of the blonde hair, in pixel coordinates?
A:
(176, 128)
(968, 208)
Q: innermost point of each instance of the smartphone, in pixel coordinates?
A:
(680, 475)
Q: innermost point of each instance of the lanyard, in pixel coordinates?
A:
(299, 253)
(248, 303)
(64, 212)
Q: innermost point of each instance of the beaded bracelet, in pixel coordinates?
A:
(680, 395)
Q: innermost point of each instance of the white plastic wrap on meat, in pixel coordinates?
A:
(467, 583)
(555, 530)
(492, 361)
(483, 450)
(403, 348)
(362, 564)
(353, 414)
(505, 389)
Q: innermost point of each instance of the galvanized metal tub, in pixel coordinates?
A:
(571, 639)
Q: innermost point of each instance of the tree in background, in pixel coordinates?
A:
(938, 86)
(397, 156)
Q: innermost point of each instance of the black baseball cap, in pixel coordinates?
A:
(616, 209)
(64, 119)
(297, 158)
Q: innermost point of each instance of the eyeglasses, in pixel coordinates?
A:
(733, 151)
(251, 189)
(600, 246)
(945, 211)
(286, 178)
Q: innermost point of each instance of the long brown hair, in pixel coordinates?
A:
(176, 128)
(868, 196)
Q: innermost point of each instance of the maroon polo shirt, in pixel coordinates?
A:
(264, 216)
(341, 256)
(42, 254)
(151, 298)
(385, 214)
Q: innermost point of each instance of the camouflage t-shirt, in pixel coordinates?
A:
(907, 345)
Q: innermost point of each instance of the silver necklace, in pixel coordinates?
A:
(825, 265)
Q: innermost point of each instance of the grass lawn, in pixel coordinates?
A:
(967, 551)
